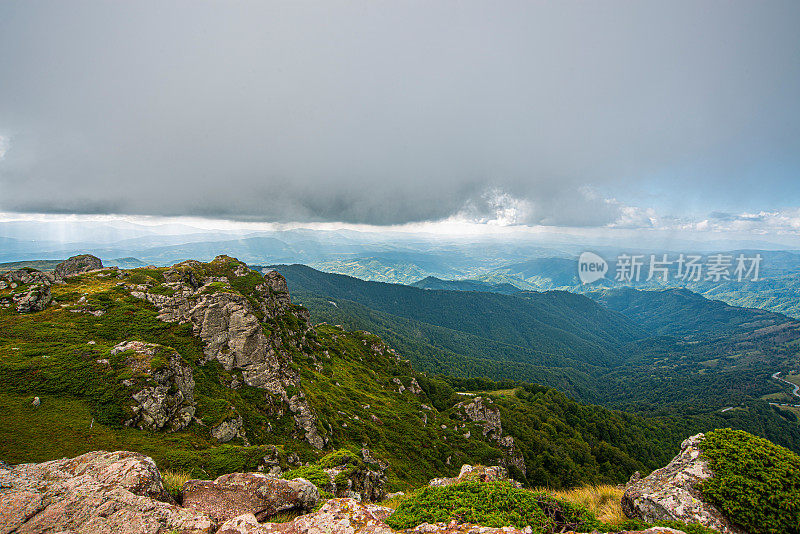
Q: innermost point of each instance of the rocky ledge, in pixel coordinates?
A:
(122, 493)
(672, 493)
(98, 492)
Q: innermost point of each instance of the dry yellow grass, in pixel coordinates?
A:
(603, 501)
(173, 481)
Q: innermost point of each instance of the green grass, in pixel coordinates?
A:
(492, 504)
(755, 482)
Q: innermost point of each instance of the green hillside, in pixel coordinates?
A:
(648, 372)
(111, 336)
(555, 324)
(682, 313)
(210, 368)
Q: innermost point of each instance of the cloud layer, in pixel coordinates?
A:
(363, 112)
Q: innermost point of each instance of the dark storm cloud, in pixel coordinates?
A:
(394, 112)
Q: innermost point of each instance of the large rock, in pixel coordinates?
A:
(163, 392)
(36, 298)
(248, 493)
(77, 265)
(671, 493)
(230, 326)
(482, 411)
(98, 492)
(337, 516)
(357, 478)
(29, 290)
(228, 429)
(26, 276)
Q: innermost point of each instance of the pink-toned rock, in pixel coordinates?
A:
(337, 516)
(98, 492)
(671, 493)
(258, 494)
(348, 516)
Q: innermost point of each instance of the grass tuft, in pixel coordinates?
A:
(173, 482)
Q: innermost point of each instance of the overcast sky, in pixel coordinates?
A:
(612, 114)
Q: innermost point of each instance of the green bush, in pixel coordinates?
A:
(756, 483)
(638, 524)
(493, 504)
(340, 458)
(313, 473)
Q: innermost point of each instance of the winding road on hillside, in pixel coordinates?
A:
(795, 390)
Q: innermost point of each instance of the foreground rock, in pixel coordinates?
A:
(337, 516)
(98, 492)
(255, 494)
(348, 516)
(671, 494)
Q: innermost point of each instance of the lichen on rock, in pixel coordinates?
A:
(672, 493)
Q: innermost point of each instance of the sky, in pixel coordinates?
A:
(604, 116)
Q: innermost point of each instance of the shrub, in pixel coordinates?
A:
(755, 482)
(493, 504)
(340, 458)
(313, 473)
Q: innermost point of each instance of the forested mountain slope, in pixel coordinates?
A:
(668, 352)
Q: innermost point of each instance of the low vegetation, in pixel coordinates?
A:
(496, 504)
(493, 504)
(756, 483)
(173, 481)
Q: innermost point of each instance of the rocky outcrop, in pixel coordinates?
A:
(29, 290)
(25, 276)
(671, 493)
(231, 327)
(163, 390)
(256, 494)
(36, 298)
(482, 411)
(230, 428)
(360, 479)
(119, 492)
(77, 265)
(337, 516)
(478, 473)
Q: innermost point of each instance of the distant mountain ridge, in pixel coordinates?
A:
(637, 360)
(431, 282)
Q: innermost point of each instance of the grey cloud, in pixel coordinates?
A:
(393, 112)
